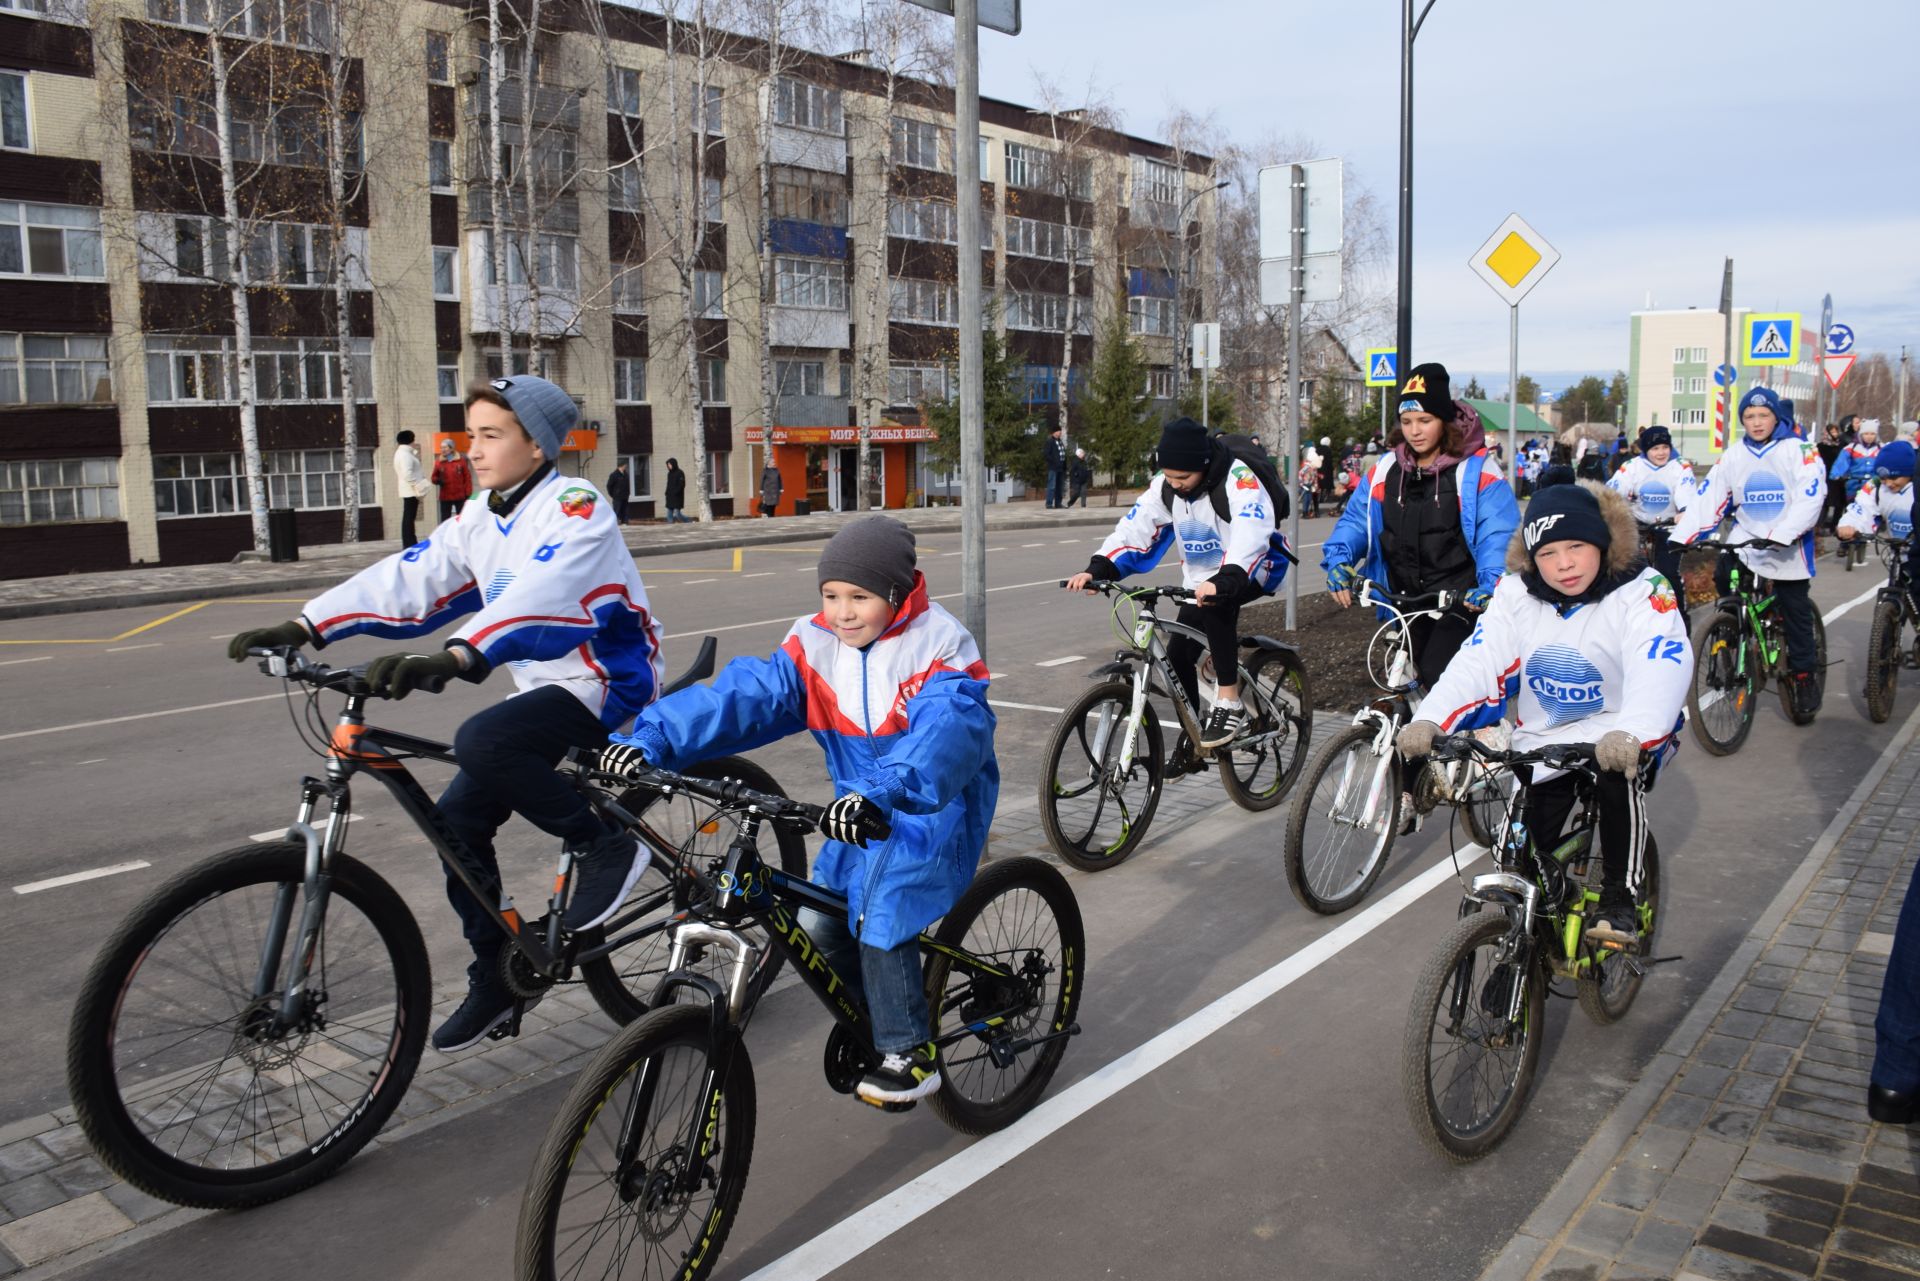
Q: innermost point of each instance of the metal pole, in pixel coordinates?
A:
(1513, 398)
(1730, 394)
(1296, 303)
(1820, 366)
(1403, 323)
(1205, 391)
(1900, 414)
(973, 453)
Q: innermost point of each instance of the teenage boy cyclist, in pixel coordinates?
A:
(1853, 468)
(537, 560)
(1658, 485)
(1589, 641)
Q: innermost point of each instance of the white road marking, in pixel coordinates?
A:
(695, 582)
(996, 549)
(1861, 599)
(223, 635)
(74, 878)
(1071, 542)
(765, 573)
(121, 649)
(11, 662)
(1025, 707)
(1033, 544)
(1061, 662)
(867, 1227)
(139, 716)
(279, 832)
(994, 676)
(98, 760)
(952, 553)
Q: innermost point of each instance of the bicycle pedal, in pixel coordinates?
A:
(882, 1106)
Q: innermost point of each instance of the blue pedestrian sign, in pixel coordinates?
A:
(1383, 367)
(1773, 339)
(1839, 340)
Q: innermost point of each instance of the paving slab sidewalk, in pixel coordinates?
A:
(1744, 1153)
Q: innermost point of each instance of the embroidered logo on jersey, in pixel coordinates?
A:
(1565, 683)
(578, 502)
(1199, 544)
(416, 551)
(1655, 496)
(1244, 479)
(546, 551)
(1662, 597)
(495, 585)
(1764, 496)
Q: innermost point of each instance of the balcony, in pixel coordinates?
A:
(807, 327)
(559, 310)
(554, 106)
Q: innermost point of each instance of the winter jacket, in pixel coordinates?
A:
(1227, 553)
(1774, 490)
(619, 487)
(1854, 465)
(1656, 495)
(408, 472)
(1573, 670)
(454, 476)
(1877, 509)
(552, 590)
(1056, 454)
(904, 723)
(770, 486)
(676, 495)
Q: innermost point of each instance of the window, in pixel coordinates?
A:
(183, 370)
(307, 22)
(916, 384)
(714, 120)
(713, 382)
(439, 67)
(522, 364)
(922, 144)
(719, 484)
(1031, 238)
(309, 479)
(800, 377)
(934, 220)
(640, 472)
(623, 91)
(50, 240)
(62, 489)
(1699, 355)
(1159, 183)
(711, 191)
(630, 383)
(806, 195)
(446, 273)
(708, 293)
(1044, 312)
(927, 302)
(810, 282)
(13, 110)
(447, 374)
(629, 295)
(1152, 316)
(1026, 166)
(54, 369)
(1696, 385)
(190, 370)
(623, 186)
(1679, 355)
(807, 106)
(555, 259)
(197, 484)
(214, 484)
(1160, 384)
(69, 11)
(1679, 386)
(200, 248)
(440, 164)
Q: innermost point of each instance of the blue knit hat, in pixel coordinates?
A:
(546, 411)
(1767, 399)
(1894, 459)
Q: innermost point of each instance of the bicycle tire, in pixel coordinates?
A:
(1069, 747)
(1305, 876)
(1607, 995)
(1883, 660)
(663, 1039)
(107, 1019)
(1241, 772)
(1449, 969)
(988, 923)
(1719, 640)
(623, 982)
(1785, 682)
(1485, 806)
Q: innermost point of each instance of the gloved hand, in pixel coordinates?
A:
(621, 760)
(1343, 578)
(1617, 752)
(397, 675)
(854, 820)
(1416, 738)
(291, 632)
(1477, 599)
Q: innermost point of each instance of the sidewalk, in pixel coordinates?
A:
(325, 565)
(1745, 1151)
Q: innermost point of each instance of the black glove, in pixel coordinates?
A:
(397, 675)
(292, 632)
(621, 760)
(854, 820)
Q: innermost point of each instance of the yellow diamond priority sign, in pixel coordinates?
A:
(1514, 259)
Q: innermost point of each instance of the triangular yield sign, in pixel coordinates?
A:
(1835, 368)
(1772, 343)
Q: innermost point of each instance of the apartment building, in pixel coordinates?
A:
(1672, 356)
(624, 259)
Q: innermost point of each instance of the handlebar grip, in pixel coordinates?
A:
(433, 685)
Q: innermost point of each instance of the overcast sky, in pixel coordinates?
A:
(1646, 139)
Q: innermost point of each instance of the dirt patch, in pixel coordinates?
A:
(1333, 641)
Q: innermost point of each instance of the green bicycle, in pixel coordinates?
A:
(1737, 646)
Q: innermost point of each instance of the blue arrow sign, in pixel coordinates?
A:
(1839, 340)
(1723, 375)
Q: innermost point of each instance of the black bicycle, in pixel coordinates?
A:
(1892, 611)
(644, 1165)
(257, 1019)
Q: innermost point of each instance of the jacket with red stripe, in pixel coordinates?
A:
(1488, 517)
(904, 723)
(551, 589)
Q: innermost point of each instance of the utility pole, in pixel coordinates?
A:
(973, 452)
(1900, 414)
(1295, 306)
(1403, 327)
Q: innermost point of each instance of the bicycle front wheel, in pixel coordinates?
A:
(1343, 822)
(1095, 813)
(642, 1168)
(1721, 701)
(1473, 1038)
(1883, 660)
(1257, 776)
(182, 1073)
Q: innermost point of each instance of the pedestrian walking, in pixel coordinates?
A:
(769, 488)
(1080, 480)
(1056, 467)
(413, 483)
(675, 497)
(453, 475)
(619, 490)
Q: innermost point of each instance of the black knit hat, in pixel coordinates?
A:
(875, 552)
(1428, 391)
(1653, 437)
(1562, 513)
(1184, 446)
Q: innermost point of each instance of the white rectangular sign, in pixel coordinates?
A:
(1322, 283)
(1206, 345)
(1325, 208)
(996, 15)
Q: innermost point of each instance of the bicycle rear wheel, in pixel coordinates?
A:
(1258, 776)
(1094, 813)
(1883, 660)
(179, 1074)
(1785, 682)
(1721, 700)
(624, 980)
(1608, 986)
(1466, 1067)
(667, 1210)
(1343, 823)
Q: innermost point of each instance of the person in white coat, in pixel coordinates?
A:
(1658, 485)
(413, 484)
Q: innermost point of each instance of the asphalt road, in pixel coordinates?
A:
(1270, 1141)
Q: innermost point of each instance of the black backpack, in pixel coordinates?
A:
(1229, 447)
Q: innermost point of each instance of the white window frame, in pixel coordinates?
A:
(450, 256)
(935, 221)
(84, 482)
(629, 376)
(1027, 165)
(27, 217)
(1159, 384)
(913, 139)
(719, 473)
(1679, 355)
(627, 290)
(446, 371)
(1151, 317)
(1695, 386)
(1159, 183)
(709, 294)
(25, 142)
(639, 475)
(1699, 356)
(914, 384)
(815, 284)
(713, 378)
(800, 377)
(73, 13)
(714, 191)
(445, 41)
(299, 362)
(623, 186)
(799, 104)
(716, 121)
(922, 302)
(1055, 241)
(444, 147)
(810, 195)
(1679, 385)
(558, 265)
(623, 91)
(256, 20)
(20, 368)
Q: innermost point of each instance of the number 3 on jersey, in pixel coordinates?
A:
(1662, 647)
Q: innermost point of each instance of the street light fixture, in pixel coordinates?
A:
(1403, 326)
(1183, 335)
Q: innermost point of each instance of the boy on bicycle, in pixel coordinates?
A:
(1212, 506)
(1589, 642)
(1853, 468)
(538, 561)
(1771, 481)
(893, 689)
(1658, 486)
(1885, 500)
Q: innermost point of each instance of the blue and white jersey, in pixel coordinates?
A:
(1774, 490)
(1141, 537)
(552, 590)
(1657, 495)
(1877, 509)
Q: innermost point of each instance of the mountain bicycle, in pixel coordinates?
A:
(1106, 761)
(1737, 646)
(645, 1163)
(1347, 814)
(254, 1022)
(1892, 610)
(1478, 1013)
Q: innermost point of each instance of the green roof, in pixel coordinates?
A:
(1493, 413)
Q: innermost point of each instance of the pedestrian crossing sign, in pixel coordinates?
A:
(1773, 339)
(1383, 367)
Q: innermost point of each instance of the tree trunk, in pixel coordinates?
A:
(497, 187)
(690, 220)
(342, 296)
(242, 311)
(529, 174)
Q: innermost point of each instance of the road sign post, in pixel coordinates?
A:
(1820, 393)
(1512, 262)
(1382, 370)
(1206, 358)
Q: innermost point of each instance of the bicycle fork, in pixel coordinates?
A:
(317, 888)
(1385, 757)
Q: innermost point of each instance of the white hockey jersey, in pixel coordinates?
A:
(1878, 509)
(1775, 490)
(1656, 494)
(552, 590)
(1141, 537)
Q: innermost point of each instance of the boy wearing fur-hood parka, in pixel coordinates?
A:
(1586, 645)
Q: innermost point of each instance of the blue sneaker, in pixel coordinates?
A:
(603, 872)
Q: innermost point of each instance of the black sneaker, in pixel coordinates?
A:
(487, 1007)
(603, 872)
(1615, 922)
(1806, 692)
(902, 1078)
(1223, 726)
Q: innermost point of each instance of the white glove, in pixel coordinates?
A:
(1417, 738)
(622, 760)
(1617, 752)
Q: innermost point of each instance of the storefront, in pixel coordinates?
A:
(820, 466)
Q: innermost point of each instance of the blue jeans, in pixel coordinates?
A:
(1896, 1062)
(507, 754)
(890, 978)
(1056, 477)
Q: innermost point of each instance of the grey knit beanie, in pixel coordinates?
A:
(874, 552)
(546, 411)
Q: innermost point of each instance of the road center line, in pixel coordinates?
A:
(869, 1226)
(12, 662)
(1024, 707)
(1061, 662)
(74, 878)
(1861, 599)
(121, 649)
(139, 716)
(695, 582)
(279, 833)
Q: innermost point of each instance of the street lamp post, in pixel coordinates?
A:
(1181, 333)
(1403, 327)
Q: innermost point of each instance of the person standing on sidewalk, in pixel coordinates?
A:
(414, 486)
(1056, 467)
(1079, 480)
(619, 490)
(675, 498)
(453, 476)
(770, 488)
(1893, 1088)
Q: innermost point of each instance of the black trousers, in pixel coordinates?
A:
(1791, 598)
(1220, 621)
(1836, 504)
(1435, 642)
(1623, 823)
(409, 517)
(448, 506)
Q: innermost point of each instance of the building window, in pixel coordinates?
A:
(13, 110)
(189, 370)
(916, 384)
(623, 186)
(719, 483)
(807, 106)
(1046, 313)
(630, 379)
(523, 364)
(1696, 385)
(708, 295)
(556, 258)
(73, 12)
(310, 479)
(1679, 355)
(640, 474)
(214, 485)
(1679, 386)
(629, 296)
(922, 144)
(1027, 166)
(60, 489)
(714, 121)
(926, 302)
(810, 282)
(713, 381)
(800, 377)
(440, 164)
(1159, 183)
(447, 374)
(935, 220)
(1699, 355)
(287, 21)
(439, 66)
(712, 190)
(623, 91)
(1031, 238)
(183, 370)
(197, 485)
(1151, 316)
(807, 195)
(50, 240)
(1160, 384)
(446, 273)
(54, 369)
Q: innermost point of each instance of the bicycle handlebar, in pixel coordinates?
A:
(1113, 586)
(288, 663)
(1758, 544)
(1450, 747)
(784, 810)
(1369, 592)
